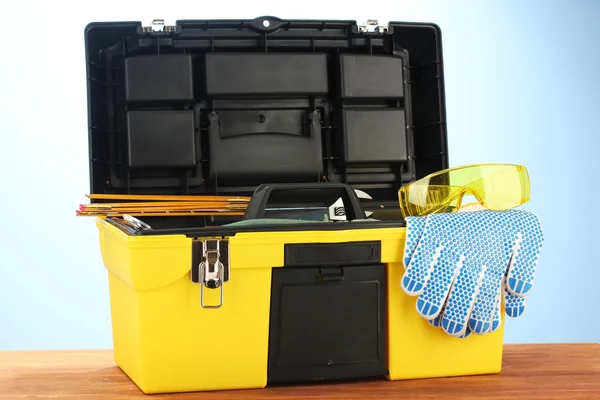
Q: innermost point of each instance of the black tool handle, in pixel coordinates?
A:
(297, 194)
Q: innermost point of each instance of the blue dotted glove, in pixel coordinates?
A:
(462, 265)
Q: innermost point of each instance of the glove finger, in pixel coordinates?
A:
(436, 291)
(527, 247)
(466, 334)
(423, 260)
(437, 321)
(496, 318)
(419, 270)
(414, 231)
(462, 298)
(514, 306)
(485, 302)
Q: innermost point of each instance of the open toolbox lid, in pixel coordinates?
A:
(222, 106)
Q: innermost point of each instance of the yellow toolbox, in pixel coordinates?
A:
(320, 122)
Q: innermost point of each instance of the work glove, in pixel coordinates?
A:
(463, 265)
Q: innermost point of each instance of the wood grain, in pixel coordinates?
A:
(566, 371)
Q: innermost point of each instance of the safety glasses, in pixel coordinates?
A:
(494, 186)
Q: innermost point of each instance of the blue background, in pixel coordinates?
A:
(522, 86)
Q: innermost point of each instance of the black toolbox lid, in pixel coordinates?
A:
(222, 106)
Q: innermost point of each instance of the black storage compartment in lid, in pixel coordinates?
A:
(372, 76)
(222, 106)
(159, 77)
(266, 73)
(161, 139)
(265, 145)
(374, 136)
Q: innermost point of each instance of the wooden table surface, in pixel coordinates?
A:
(567, 371)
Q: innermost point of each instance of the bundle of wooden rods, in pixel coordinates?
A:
(115, 205)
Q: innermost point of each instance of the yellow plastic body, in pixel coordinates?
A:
(418, 350)
(166, 342)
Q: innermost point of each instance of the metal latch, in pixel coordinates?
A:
(158, 25)
(213, 268)
(372, 25)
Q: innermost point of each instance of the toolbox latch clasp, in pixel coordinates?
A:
(213, 270)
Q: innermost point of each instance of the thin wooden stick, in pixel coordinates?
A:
(165, 214)
(166, 208)
(163, 204)
(197, 198)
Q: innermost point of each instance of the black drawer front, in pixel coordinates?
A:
(327, 323)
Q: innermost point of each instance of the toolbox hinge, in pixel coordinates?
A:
(213, 269)
(372, 25)
(159, 25)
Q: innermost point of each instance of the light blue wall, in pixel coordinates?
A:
(522, 84)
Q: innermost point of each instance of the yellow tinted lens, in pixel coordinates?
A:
(503, 190)
(495, 186)
(427, 199)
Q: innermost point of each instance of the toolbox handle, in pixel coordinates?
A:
(296, 193)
